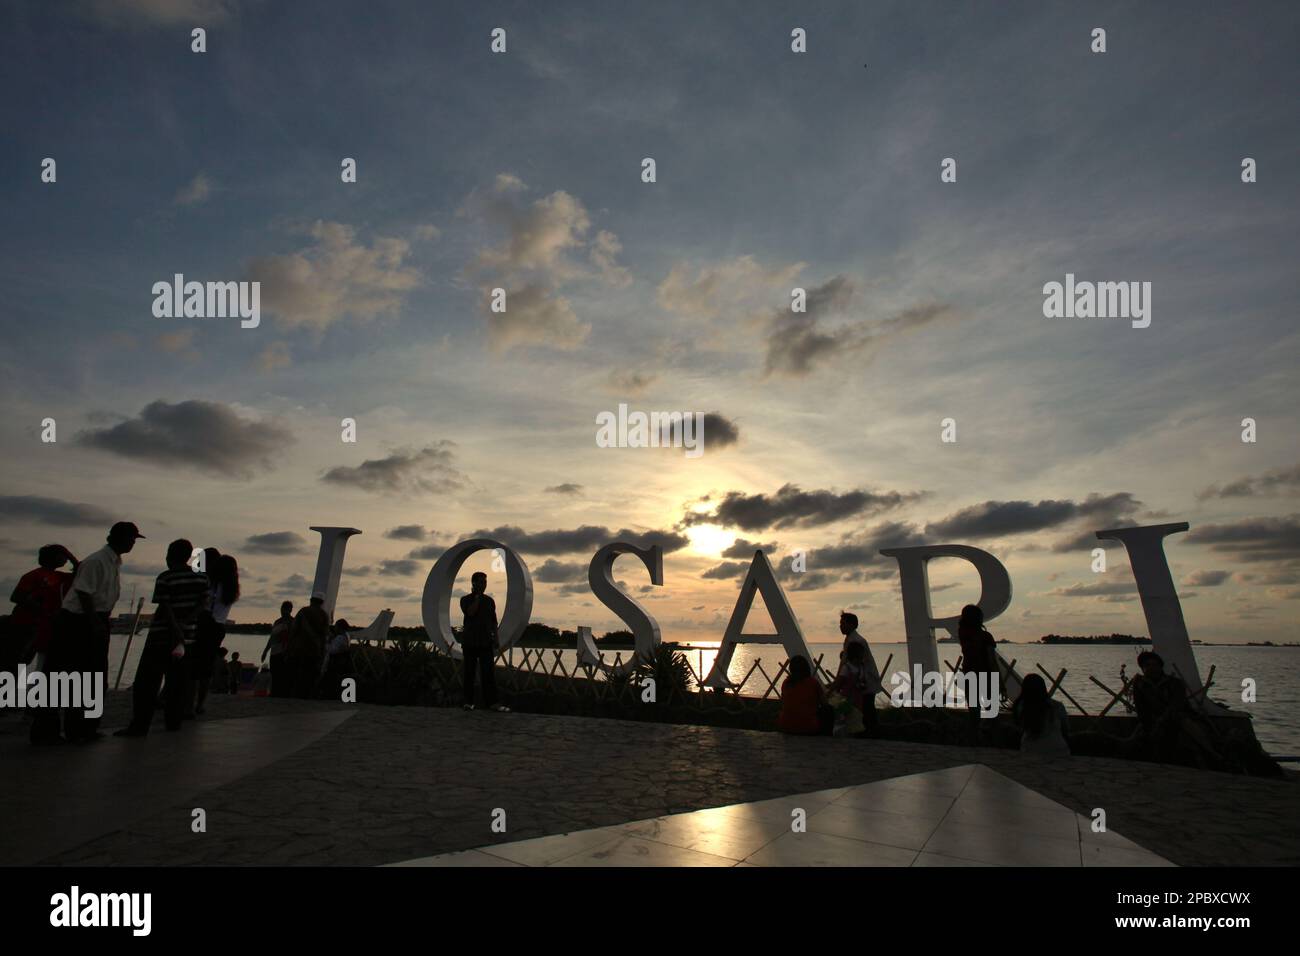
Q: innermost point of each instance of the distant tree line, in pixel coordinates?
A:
(1092, 639)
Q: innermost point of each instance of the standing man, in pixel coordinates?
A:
(276, 645)
(181, 594)
(307, 646)
(478, 642)
(80, 643)
(871, 673)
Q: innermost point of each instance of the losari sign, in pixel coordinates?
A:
(1145, 546)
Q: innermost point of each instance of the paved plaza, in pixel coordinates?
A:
(324, 783)
(962, 816)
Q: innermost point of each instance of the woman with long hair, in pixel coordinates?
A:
(223, 592)
(1043, 722)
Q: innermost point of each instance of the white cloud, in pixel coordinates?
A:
(335, 277)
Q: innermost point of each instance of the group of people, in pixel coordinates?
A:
(1168, 728)
(848, 706)
(61, 623)
(306, 654)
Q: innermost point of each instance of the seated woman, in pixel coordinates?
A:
(803, 705)
(337, 664)
(1042, 720)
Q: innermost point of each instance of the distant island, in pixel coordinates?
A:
(1093, 639)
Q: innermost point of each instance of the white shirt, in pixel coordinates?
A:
(100, 576)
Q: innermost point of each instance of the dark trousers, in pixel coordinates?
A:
(155, 663)
(279, 676)
(74, 648)
(480, 660)
(870, 719)
(306, 675)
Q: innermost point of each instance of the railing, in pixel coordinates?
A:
(535, 667)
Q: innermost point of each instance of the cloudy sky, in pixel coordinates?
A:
(775, 170)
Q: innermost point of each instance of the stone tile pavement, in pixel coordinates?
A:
(961, 816)
(323, 783)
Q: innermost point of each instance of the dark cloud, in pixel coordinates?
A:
(799, 342)
(52, 511)
(567, 488)
(206, 436)
(1279, 481)
(1108, 589)
(294, 582)
(429, 469)
(1252, 539)
(407, 532)
(807, 580)
(1206, 579)
(857, 555)
(726, 571)
(430, 552)
(560, 572)
(993, 519)
(741, 548)
(585, 538)
(792, 507)
(400, 567)
(276, 542)
(861, 550)
(719, 431)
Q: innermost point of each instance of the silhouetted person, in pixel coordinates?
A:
(478, 642)
(235, 672)
(276, 645)
(223, 573)
(873, 685)
(1043, 722)
(37, 598)
(338, 660)
(851, 684)
(307, 646)
(81, 633)
(803, 702)
(1169, 730)
(180, 594)
(978, 659)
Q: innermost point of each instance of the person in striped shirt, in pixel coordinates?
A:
(180, 595)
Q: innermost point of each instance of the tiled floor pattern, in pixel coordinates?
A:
(961, 816)
(65, 796)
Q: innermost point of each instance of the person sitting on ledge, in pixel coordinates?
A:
(1042, 720)
(803, 702)
(1169, 730)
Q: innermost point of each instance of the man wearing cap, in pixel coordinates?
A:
(80, 643)
(307, 646)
